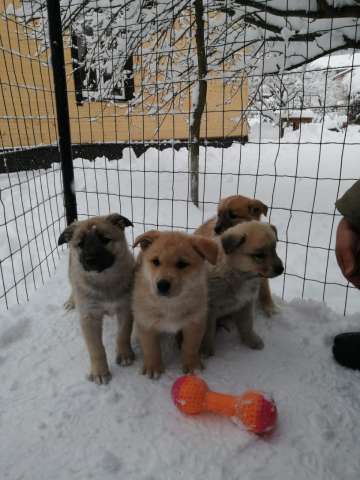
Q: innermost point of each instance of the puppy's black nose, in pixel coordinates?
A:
(163, 287)
(279, 269)
(218, 229)
(90, 257)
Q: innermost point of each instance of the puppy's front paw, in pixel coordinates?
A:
(125, 356)
(69, 304)
(152, 370)
(253, 341)
(207, 350)
(100, 378)
(191, 364)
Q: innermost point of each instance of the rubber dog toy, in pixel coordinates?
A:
(191, 395)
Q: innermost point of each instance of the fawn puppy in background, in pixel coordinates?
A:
(170, 295)
(101, 271)
(248, 255)
(232, 211)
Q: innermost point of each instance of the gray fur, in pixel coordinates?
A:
(232, 294)
(247, 255)
(99, 293)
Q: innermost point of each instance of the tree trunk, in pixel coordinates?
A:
(198, 101)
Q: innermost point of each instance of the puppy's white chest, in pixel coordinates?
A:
(246, 293)
(170, 322)
(110, 308)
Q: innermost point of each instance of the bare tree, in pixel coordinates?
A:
(233, 40)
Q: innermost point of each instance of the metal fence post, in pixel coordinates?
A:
(62, 108)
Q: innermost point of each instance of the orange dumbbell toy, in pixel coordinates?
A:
(191, 395)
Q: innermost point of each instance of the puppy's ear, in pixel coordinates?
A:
(119, 221)
(275, 230)
(146, 239)
(222, 203)
(205, 247)
(264, 208)
(257, 208)
(231, 242)
(67, 234)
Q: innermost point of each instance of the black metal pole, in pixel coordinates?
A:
(62, 108)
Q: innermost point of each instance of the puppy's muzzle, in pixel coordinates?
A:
(94, 257)
(163, 287)
(279, 269)
(219, 228)
(275, 270)
(97, 263)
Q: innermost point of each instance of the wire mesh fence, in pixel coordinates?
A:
(31, 206)
(279, 123)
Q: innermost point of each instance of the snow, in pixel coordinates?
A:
(335, 61)
(303, 113)
(345, 67)
(300, 39)
(54, 424)
(194, 102)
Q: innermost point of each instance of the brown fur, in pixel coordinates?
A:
(232, 211)
(96, 293)
(178, 260)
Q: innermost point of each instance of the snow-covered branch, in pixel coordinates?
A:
(241, 37)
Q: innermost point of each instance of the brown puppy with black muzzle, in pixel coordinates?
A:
(101, 271)
(248, 255)
(170, 294)
(232, 211)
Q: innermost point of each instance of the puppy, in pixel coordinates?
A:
(101, 271)
(232, 211)
(170, 294)
(248, 254)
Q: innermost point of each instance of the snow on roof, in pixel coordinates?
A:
(348, 65)
(336, 61)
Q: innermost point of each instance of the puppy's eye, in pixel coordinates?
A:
(104, 240)
(181, 264)
(156, 262)
(232, 215)
(259, 257)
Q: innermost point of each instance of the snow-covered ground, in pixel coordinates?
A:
(54, 424)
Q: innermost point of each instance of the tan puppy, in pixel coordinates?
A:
(101, 270)
(170, 294)
(232, 211)
(248, 254)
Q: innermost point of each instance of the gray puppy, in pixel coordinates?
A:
(101, 271)
(248, 254)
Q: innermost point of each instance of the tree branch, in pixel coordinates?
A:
(324, 12)
(195, 123)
